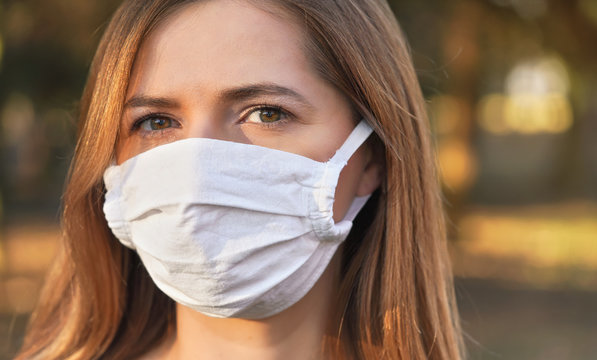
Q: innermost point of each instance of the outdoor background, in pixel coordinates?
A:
(512, 93)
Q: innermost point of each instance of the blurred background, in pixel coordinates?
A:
(512, 95)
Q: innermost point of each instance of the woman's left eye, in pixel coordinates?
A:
(266, 115)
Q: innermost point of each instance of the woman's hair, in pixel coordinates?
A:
(396, 299)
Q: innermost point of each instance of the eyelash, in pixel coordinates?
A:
(285, 114)
(136, 127)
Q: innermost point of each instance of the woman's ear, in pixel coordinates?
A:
(372, 174)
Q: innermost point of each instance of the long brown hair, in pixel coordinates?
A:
(396, 297)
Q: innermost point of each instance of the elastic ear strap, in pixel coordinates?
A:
(355, 207)
(356, 138)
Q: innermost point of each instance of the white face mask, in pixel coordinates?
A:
(230, 229)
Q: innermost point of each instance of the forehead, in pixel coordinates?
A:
(218, 42)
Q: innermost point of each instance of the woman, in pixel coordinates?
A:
(218, 168)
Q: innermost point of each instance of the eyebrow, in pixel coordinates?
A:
(253, 91)
(245, 92)
(149, 101)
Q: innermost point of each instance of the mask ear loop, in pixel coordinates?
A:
(356, 138)
(357, 204)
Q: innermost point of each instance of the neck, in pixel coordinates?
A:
(295, 333)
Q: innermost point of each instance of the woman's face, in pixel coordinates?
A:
(230, 71)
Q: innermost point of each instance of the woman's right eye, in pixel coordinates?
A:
(154, 122)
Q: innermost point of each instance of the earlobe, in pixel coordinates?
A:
(370, 179)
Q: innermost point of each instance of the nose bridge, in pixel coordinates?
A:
(214, 125)
(206, 125)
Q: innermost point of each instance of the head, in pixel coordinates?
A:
(328, 64)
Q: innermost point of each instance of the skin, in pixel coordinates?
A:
(204, 72)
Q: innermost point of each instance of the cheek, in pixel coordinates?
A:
(126, 150)
(348, 184)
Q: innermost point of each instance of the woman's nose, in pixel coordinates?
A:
(209, 127)
(214, 127)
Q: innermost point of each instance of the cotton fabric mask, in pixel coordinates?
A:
(230, 229)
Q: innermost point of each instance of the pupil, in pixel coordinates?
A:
(158, 124)
(270, 115)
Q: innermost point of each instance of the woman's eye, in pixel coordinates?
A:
(266, 115)
(156, 123)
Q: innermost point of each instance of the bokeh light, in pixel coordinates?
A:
(536, 100)
(589, 9)
(457, 161)
(457, 164)
(548, 246)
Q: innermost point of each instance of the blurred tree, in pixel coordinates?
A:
(465, 49)
(47, 47)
